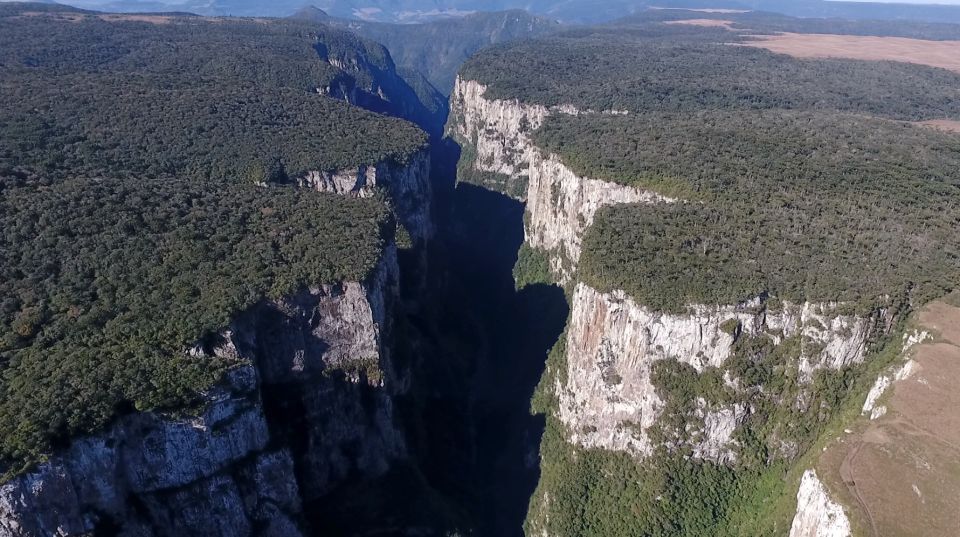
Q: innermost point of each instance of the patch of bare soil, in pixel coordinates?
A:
(152, 19)
(947, 125)
(109, 17)
(709, 23)
(943, 54)
(899, 475)
(706, 10)
(70, 17)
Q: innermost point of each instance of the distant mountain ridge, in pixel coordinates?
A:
(570, 11)
(438, 48)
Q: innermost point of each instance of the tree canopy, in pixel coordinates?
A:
(131, 223)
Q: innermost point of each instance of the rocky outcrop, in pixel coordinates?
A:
(895, 374)
(309, 406)
(407, 184)
(817, 514)
(560, 204)
(173, 467)
(607, 399)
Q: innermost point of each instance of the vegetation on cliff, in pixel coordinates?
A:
(131, 224)
(798, 205)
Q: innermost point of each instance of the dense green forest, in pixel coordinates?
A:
(798, 205)
(106, 282)
(132, 125)
(665, 68)
(130, 222)
(190, 50)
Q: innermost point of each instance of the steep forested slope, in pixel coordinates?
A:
(133, 225)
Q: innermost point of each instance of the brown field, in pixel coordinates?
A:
(947, 125)
(109, 17)
(705, 10)
(71, 17)
(153, 19)
(713, 23)
(944, 54)
(900, 475)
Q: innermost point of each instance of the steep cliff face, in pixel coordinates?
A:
(407, 184)
(817, 514)
(311, 406)
(608, 400)
(370, 79)
(560, 204)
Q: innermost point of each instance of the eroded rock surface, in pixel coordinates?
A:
(608, 399)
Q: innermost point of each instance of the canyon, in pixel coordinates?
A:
(480, 379)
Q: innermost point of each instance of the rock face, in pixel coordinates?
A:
(896, 374)
(607, 399)
(311, 407)
(407, 184)
(817, 514)
(368, 78)
(560, 204)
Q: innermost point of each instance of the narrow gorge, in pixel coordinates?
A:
(661, 284)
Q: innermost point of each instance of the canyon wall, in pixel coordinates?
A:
(605, 395)
(309, 407)
(560, 204)
(608, 399)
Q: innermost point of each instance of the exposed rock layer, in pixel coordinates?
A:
(817, 514)
(606, 397)
(560, 204)
(407, 185)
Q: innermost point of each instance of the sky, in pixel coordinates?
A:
(946, 2)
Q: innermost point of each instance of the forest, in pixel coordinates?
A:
(676, 68)
(134, 215)
(797, 205)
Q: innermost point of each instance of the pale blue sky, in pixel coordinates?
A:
(950, 2)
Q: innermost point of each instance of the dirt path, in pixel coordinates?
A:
(849, 480)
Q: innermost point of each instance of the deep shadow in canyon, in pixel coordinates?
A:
(476, 349)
